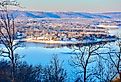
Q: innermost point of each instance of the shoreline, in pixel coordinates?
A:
(52, 41)
(67, 42)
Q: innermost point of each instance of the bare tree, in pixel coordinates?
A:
(84, 61)
(8, 34)
(109, 63)
(55, 72)
(104, 70)
(115, 60)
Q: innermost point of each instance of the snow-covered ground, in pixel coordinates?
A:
(116, 32)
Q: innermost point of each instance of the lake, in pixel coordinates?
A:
(37, 53)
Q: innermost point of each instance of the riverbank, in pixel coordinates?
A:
(69, 42)
(52, 41)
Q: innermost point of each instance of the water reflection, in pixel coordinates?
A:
(37, 53)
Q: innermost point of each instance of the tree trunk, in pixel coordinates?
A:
(13, 66)
(120, 75)
(85, 75)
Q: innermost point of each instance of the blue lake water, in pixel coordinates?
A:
(37, 53)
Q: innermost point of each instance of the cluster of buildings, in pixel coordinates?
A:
(60, 29)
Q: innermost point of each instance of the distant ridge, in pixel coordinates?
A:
(37, 14)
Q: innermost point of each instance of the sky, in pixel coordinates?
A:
(72, 5)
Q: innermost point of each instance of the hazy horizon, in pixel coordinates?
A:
(72, 5)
